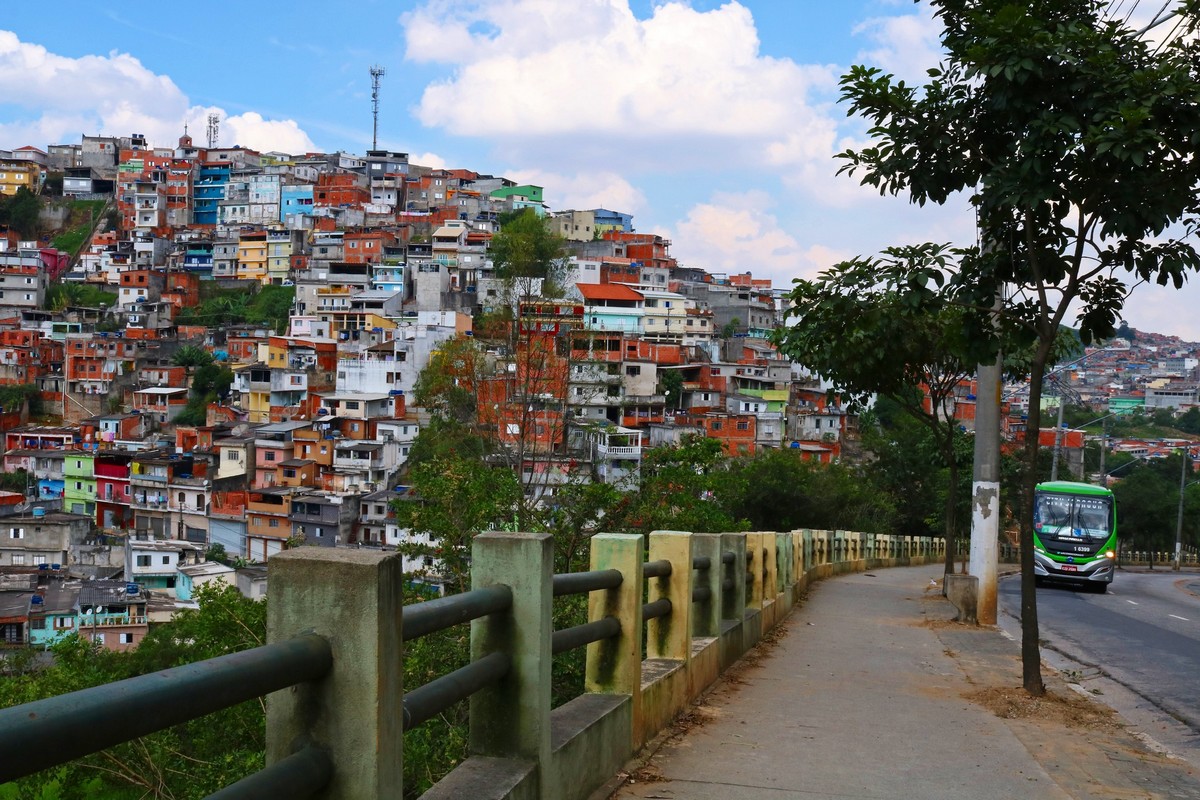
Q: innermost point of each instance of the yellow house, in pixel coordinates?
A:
(252, 257)
(279, 256)
(16, 173)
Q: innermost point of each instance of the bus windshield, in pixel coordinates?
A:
(1068, 516)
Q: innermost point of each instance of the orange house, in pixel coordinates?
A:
(736, 432)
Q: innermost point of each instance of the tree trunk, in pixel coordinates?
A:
(951, 510)
(1031, 657)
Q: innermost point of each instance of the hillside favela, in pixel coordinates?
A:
(215, 359)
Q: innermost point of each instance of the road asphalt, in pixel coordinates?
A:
(869, 690)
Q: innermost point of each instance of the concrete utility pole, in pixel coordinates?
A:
(1179, 519)
(1058, 432)
(985, 491)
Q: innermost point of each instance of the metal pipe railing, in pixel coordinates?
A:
(659, 608)
(584, 582)
(302, 774)
(433, 698)
(583, 635)
(48, 732)
(656, 569)
(422, 619)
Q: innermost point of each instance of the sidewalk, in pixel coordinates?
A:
(868, 691)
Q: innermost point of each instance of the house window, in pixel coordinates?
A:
(232, 455)
(63, 623)
(716, 426)
(289, 473)
(633, 370)
(273, 523)
(270, 455)
(18, 559)
(743, 425)
(166, 559)
(39, 559)
(126, 638)
(143, 561)
(16, 533)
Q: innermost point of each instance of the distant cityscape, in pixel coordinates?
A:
(325, 283)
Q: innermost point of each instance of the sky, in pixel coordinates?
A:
(716, 124)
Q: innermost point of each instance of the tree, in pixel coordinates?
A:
(22, 212)
(191, 355)
(1076, 144)
(452, 501)
(678, 491)
(855, 327)
(192, 760)
(777, 490)
(529, 259)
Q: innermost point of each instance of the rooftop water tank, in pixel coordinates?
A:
(39, 511)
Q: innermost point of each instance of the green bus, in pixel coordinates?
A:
(1074, 534)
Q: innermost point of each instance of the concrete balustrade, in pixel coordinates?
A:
(519, 746)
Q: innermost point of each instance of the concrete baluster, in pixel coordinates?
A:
(671, 636)
(771, 560)
(614, 666)
(733, 602)
(511, 719)
(706, 614)
(353, 598)
(756, 570)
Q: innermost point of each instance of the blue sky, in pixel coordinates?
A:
(713, 123)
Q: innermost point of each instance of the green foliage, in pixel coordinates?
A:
(14, 398)
(191, 355)
(210, 383)
(526, 248)
(269, 305)
(446, 385)
(454, 500)
(678, 490)
(185, 762)
(81, 220)
(778, 490)
(21, 212)
(62, 295)
(16, 480)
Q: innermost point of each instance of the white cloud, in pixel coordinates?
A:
(736, 233)
(680, 89)
(113, 95)
(583, 190)
(905, 45)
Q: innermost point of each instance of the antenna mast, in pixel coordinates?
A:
(214, 126)
(377, 72)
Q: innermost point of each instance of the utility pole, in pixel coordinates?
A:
(1179, 519)
(985, 487)
(1057, 435)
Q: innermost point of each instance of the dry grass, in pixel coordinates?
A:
(1069, 710)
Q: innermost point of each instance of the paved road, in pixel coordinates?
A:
(1137, 648)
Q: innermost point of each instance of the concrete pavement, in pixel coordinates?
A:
(868, 691)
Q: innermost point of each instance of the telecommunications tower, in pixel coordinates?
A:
(377, 72)
(214, 126)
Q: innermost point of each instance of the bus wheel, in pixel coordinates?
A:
(1100, 588)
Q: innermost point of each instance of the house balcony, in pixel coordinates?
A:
(614, 451)
(149, 502)
(87, 621)
(357, 464)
